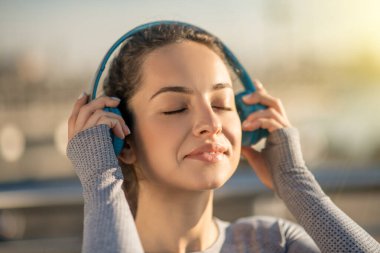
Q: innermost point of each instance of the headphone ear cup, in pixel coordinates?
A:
(117, 142)
(249, 137)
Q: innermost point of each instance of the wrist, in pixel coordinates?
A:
(283, 150)
(94, 161)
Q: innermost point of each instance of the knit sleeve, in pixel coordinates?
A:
(330, 228)
(108, 222)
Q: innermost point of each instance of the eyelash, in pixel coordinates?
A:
(183, 109)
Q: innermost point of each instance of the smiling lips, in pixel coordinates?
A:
(211, 152)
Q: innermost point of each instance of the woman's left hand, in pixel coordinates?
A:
(272, 119)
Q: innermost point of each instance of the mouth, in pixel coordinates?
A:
(209, 153)
(207, 156)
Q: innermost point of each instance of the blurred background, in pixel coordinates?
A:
(322, 58)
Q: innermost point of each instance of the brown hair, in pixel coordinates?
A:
(124, 78)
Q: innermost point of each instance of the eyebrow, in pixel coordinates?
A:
(185, 90)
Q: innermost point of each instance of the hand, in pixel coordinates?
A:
(272, 118)
(84, 116)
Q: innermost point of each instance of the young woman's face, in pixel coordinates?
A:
(187, 130)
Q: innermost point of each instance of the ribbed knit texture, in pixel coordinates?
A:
(331, 229)
(108, 222)
(109, 225)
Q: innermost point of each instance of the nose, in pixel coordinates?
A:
(207, 122)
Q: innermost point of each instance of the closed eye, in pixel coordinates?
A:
(184, 109)
(223, 108)
(174, 112)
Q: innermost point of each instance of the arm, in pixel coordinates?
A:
(108, 222)
(280, 166)
(331, 229)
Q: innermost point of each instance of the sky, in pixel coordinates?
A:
(78, 33)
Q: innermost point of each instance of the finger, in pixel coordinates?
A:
(113, 124)
(82, 100)
(87, 110)
(258, 85)
(260, 97)
(257, 162)
(268, 113)
(269, 124)
(94, 118)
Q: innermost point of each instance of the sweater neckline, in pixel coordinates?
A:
(216, 246)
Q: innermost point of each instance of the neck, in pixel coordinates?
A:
(174, 221)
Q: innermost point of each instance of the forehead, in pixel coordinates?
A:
(186, 63)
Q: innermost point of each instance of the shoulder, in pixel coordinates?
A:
(264, 226)
(266, 233)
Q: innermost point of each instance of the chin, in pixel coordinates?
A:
(214, 185)
(214, 180)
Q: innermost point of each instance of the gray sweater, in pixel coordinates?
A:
(109, 225)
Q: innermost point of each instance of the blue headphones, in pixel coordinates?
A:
(244, 110)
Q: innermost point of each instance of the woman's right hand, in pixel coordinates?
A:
(86, 115)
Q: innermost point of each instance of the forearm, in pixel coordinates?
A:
(330, 228)
(108, 222)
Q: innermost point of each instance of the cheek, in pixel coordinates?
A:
(159, 140)
(232, 129)
(163, 132)
(233, 132)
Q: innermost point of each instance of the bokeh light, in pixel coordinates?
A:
(12, 143)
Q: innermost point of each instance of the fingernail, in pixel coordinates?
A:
(82, 95)
(246, 97)
(246, 124)
(115, 98)
(126, 128)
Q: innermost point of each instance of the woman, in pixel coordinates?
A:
(183, 140)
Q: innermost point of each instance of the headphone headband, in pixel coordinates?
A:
(243, 75)
(243, 110)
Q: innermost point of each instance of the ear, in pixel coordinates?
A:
(128, 154)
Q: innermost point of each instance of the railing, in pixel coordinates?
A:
(63, 198)
(243, 183)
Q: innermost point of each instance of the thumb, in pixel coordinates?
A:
(258, 164)
(251, 155)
